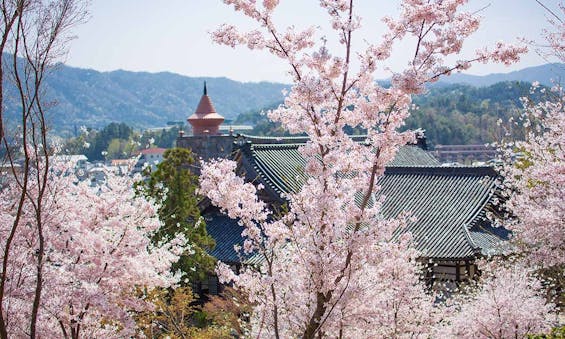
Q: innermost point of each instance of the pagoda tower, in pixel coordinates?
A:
(205, 120)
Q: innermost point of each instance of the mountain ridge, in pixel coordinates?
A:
(545, 74)
(87, 97)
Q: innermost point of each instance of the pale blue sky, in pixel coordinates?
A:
(172, 35)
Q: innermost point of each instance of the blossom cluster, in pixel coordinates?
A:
(97, 250)
(535, 180)
(509, 303)
(331, 264)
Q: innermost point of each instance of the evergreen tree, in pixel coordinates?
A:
(173, 186)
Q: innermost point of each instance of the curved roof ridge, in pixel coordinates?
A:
(443, 170)
(292, 139)
(274, 140)
(289, 145)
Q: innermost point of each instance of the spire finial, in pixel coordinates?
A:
(205, 90)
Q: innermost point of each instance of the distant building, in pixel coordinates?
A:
(149, 157)
(120, 162)
(205, 120)
(159, 129)
(235, 129)
(206, 141)
(465, 154)
(97, 176)
(79, 160)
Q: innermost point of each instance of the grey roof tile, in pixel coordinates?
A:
(449, 203)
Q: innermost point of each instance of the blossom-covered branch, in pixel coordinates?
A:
(330, 266)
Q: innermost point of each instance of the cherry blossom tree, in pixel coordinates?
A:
(508, 303)
(97, 248)
(534, 172)
(512, 300)
(329, 266)
(554, 36)
(535, 177)
(34, 34)
(71, 255)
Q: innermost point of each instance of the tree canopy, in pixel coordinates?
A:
(173, 187)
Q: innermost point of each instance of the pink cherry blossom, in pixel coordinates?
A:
(534, 171)
(508, 303)
(535, 179)
(329, 265)
(97, 251)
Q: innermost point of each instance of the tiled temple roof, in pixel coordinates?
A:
(227, 234)
(281, 166)
(449, 203)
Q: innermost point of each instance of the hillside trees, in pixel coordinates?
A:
(118, 133)
(460, 114)
(117, 141)
(329, 267)
(449, 114)
(165, 138)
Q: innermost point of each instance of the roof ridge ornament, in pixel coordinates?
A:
(205, 90)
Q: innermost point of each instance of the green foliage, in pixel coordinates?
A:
(100, 141)
(461, 114)
(118, 141)
(228, 310)
(79, 144)
(452, 114)
(164, 138)
(556, 333)
(120, 148)
(115, 141)
(172, 185)
(173, 316)
(523, 161)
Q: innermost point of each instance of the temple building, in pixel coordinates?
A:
(450, 204)
(206, 141)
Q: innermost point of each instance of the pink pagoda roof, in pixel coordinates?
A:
(205, 119)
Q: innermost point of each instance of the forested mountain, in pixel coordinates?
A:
(94, 99)
(463, 114)
(548, 75)
(451, 114)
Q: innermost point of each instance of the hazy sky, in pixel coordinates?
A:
(173, 35)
